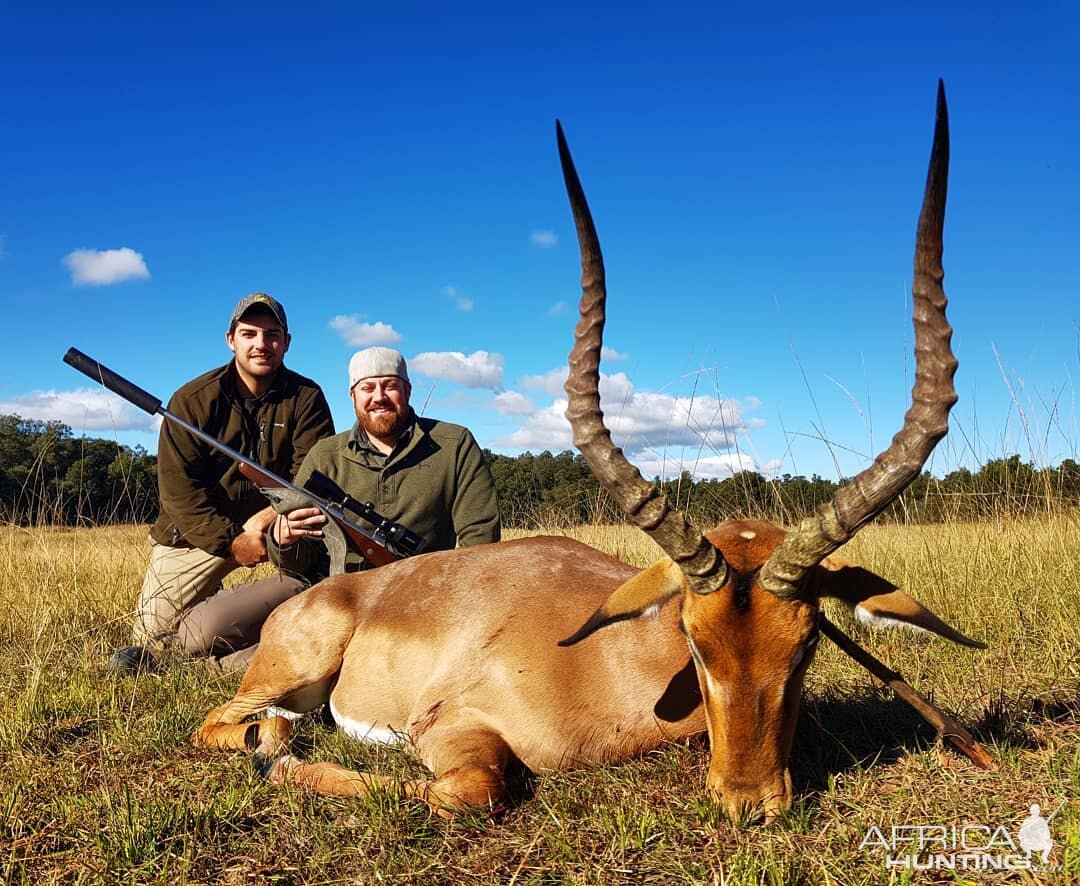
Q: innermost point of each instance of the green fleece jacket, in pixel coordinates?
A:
(435, 482)
(204, 497)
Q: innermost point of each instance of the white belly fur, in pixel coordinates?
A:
(368, 733)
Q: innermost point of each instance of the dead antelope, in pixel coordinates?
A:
(463, 654)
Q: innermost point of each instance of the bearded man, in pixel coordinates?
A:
(428, 475)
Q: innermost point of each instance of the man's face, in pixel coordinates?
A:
(259, 343)
(382, 405)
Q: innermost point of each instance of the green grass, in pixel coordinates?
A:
(99, 784)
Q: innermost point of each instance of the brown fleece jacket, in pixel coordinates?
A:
(204, 497)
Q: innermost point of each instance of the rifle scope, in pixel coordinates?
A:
(403, 540)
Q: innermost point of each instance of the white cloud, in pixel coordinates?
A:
(362, 335)
(612, 387)
(558, 308)
(545, 429)
(708, 467)
(607, 353)
(476, 370)
(513, 403)
(771, 469)
(83, 409)
(660, 433)
(101, 267)
(660, 421)
(551, 382)
(461, 301)
(616, 388)
(543, 239)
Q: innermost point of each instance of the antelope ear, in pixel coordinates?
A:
(879, 603)
(644, 593)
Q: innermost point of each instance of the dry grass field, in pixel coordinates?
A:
(99, 784)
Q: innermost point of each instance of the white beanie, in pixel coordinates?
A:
(375, 362)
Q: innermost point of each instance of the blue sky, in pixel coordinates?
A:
(391, 176)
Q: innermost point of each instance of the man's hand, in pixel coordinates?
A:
(249, 547)
(298, 524)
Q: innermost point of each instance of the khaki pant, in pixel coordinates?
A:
(176, 580)
(182, 603)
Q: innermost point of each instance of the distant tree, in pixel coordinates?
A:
(1068, 481)
(134, 489)
(49, 476)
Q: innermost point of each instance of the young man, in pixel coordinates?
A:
(427, 475)
(212, 519)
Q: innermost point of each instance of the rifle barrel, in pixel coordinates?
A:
(90, 367)
(135, 395)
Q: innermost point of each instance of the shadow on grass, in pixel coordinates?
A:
(838, 733)
(1018, 720)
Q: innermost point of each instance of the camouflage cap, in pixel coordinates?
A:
(262, 301)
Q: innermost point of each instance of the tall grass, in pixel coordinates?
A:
(99, 784)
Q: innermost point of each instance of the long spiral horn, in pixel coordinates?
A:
(926, 421)
(644, 503)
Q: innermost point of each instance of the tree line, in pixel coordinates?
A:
(49, 476)
(546, 489)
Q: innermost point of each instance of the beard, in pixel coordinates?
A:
(385, 425)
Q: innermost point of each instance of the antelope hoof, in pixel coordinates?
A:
(263, 764)
(277, 771)
(269, 737)
(473, 789)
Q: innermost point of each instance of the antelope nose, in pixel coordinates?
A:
(741, 802)
(743, 810)
(749, 804)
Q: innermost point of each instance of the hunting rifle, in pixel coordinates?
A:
(386, 543)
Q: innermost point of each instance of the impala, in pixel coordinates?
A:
(535, 651)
